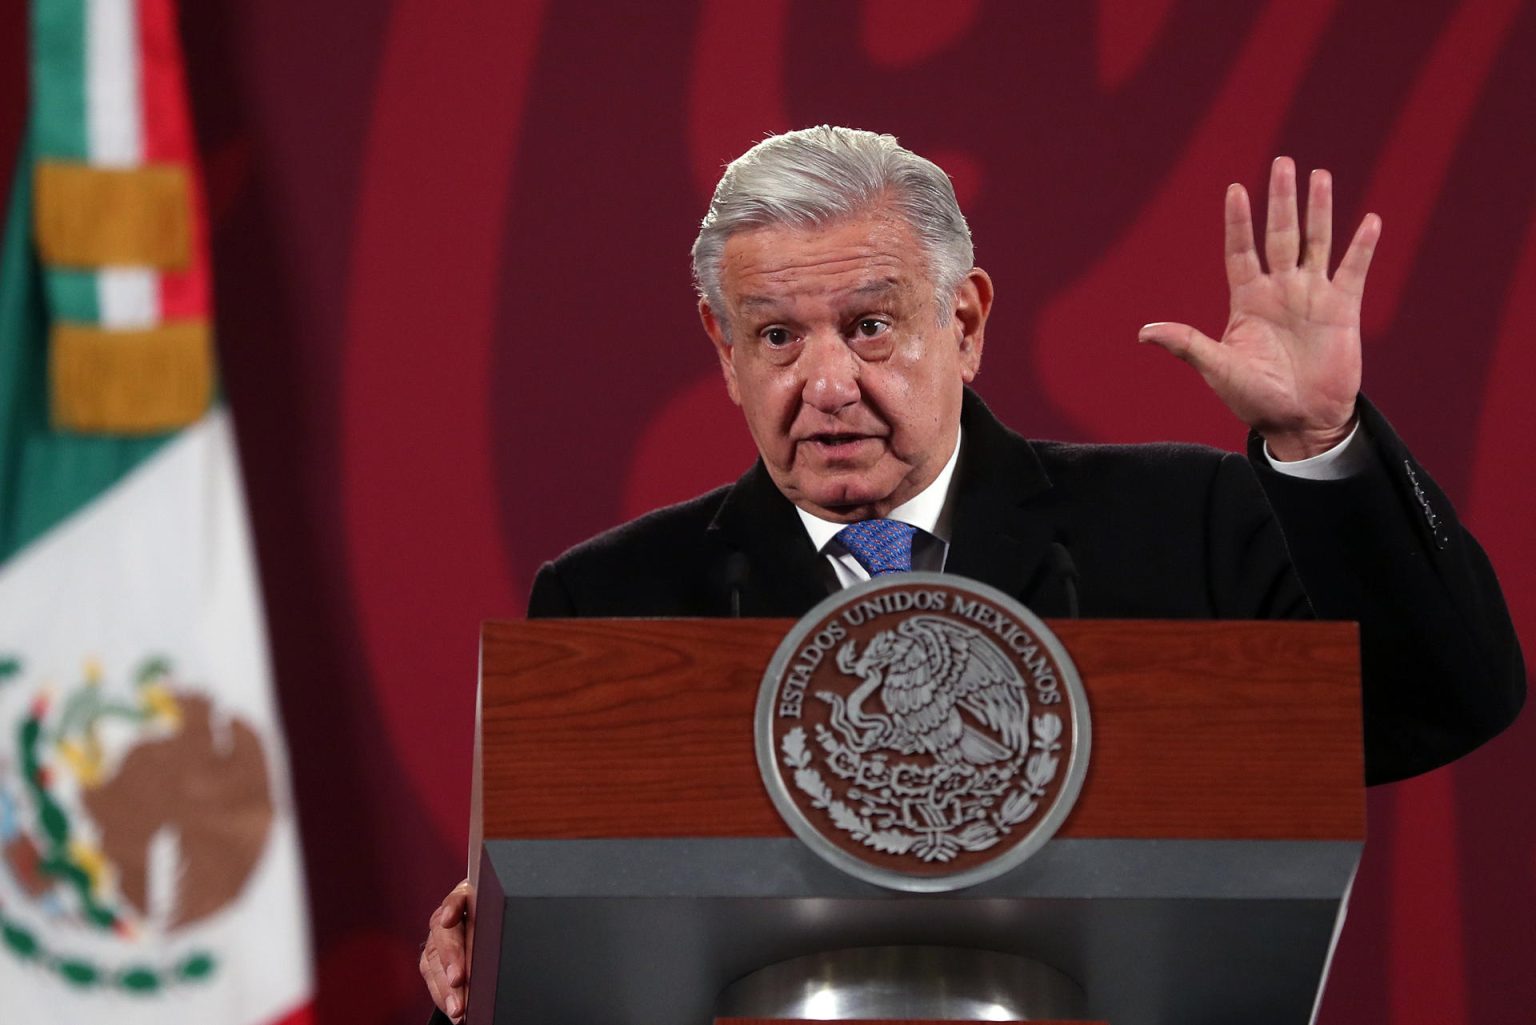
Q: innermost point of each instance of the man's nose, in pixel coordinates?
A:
(831, 372)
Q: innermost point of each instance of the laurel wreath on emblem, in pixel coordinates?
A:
(51, 851)
(934, 812)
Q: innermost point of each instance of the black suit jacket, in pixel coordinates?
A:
(1155, 531)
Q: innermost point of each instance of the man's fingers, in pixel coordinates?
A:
(448, 996)
(449, 915)
(1198, 350)
(1242, 258)
(1282, 232)
(455, 905)
(1319, 222)
(435, 988)
(1350, 277)
(446, 934)
(446, 943)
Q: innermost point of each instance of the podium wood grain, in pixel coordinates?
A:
(1188, 720)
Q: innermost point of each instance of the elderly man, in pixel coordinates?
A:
(836, 281)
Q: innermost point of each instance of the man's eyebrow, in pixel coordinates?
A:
(883, 287)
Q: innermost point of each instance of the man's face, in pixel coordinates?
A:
(834, 349)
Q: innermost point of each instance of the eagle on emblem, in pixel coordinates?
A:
(927, 672)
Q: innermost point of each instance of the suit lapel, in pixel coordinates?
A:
(782, 575)
(1002, 524)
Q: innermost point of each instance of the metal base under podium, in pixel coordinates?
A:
(902, 983)
(652, 932)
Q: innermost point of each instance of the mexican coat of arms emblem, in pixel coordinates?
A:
(921, 731)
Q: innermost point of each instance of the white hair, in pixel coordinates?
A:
(818, 176)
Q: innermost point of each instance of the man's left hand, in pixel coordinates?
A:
(1288, 363)
(444, 963)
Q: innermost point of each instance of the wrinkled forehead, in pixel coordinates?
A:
(864, 259)
(873, 291)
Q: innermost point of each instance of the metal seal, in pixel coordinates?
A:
(922, 731)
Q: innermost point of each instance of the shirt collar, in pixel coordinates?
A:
(928, 510)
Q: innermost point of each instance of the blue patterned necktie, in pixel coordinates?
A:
(881, 546)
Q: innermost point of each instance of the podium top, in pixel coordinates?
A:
(644, 728)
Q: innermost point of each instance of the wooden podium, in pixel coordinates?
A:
(630, 865)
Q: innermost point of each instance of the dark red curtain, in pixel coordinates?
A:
(458, 335)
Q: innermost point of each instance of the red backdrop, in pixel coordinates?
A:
(458, 336)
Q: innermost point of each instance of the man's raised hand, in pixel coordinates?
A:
(1288, 363)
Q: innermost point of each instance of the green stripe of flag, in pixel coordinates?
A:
(45, 475)
(58, 79)
(59, 54)
(72, 295)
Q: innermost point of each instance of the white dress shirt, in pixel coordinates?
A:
(929, 511)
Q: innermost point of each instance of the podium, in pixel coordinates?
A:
(631, 869)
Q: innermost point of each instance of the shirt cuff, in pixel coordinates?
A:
(1347, 458)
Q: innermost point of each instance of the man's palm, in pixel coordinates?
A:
(1288, 363)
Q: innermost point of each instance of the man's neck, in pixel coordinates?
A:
(928, 510)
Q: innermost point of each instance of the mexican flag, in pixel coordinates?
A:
(149, 861)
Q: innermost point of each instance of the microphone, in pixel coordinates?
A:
(1062, 565)
(736, 569)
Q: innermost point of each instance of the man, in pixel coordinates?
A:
(837, 286)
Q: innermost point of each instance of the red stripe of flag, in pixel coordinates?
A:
(303, 1016)
(184, 294)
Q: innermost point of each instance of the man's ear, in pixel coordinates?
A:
(723, 350)
(973, 302)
